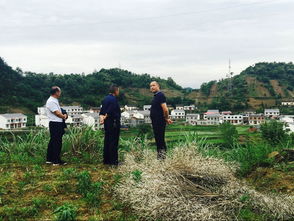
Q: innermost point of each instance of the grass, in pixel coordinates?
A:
(85, 189)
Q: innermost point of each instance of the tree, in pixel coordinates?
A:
(229, 134)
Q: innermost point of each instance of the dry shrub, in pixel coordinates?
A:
(187, 186)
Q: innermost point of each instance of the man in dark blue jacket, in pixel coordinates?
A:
(110, 117)
(159, 117)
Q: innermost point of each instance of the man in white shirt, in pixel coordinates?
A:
(56, 127)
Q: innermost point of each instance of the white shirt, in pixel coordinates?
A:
(52, 105)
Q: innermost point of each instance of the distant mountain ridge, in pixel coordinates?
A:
(262, 85)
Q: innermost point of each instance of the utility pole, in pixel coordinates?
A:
(229, 77)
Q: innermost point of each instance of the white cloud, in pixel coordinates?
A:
(190, 41)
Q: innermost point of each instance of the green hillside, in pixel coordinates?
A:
(24, 91)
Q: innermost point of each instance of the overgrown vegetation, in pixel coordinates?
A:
(197, 164)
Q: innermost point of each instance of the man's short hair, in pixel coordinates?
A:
(54, 90)
(113, 88)
(156, 83)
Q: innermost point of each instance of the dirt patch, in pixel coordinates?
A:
(280, 179)
(277, 88)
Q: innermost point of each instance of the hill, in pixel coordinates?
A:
(258, 86)
(24, 91)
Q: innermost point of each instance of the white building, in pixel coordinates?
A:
(75, 120)
(190, 107)
(289, 120)
(213, 119)
(146, 114)
(41, 120)
(178, 107)
(271, 112)
(73, 110)
(91, 120)
(42, 110)
(287, 103)
(130, 108)
(146, 107)
(256, 119)
(177, 114)
(132, 118)
(233, 119)
(192, 119)
(13, 121)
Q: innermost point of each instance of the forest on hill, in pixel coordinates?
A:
(259, 86)
(28, 90)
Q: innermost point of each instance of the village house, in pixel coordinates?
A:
(190, 108)
(132, 118)
(75, 120)
(73, 110)
(287, 103)
(272, 113)
(146, 107)
(13, 121)
(179, 107)
(95, 110)
(91, 120)
(146, 114)
(213, 119)
(177, 114)
(192, 119)
(130, 108)
(256, 119)
(233, 119)
(289, 121)
(41, 120)
(210, 112)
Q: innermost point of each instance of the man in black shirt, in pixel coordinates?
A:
(159, 117)
(110, 117)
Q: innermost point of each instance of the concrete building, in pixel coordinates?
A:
(146, 107)
(91, 120)
(73, 110)
(130, 108)
(272, 113)
(132, 118)
(146, 114)
(190, 108)
(95, 110)
(256, 119)
(192, 119)
(233, 119)
(41, 121)
(287, 103)
(177, 114)
(179, 107)
(13, 121)
(213, 119)
(289, 120)
(75, 120)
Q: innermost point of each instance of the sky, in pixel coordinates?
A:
(191, 41)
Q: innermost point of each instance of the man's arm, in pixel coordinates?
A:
(165, 113)
(60, 115)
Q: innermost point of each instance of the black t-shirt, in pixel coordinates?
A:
(156, 112)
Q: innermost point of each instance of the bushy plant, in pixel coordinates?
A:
(66, 212)
(90, 191)
(229, 134)
(273, 132)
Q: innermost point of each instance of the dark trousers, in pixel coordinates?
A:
(54, 147)
(112, 130)
(159, 133)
